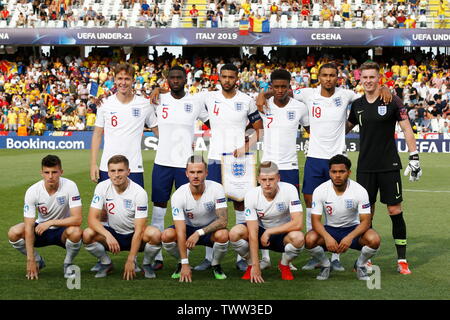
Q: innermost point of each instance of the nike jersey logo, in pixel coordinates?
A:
(326, 202)
(40, 203)
(113, 112)
(109, 199)
(360, 111)
(396, 197)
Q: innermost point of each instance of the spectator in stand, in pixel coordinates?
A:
(21, 21)
(274, 8)
(121, 21)
(4, 14)
(90, 15)
(285, 8)
(194, 16)
(345, 10)
(359, 14)
(423, 4)
(442, 14)
(326, 14)
(391, 21)
(316, 9)
(176, 9)
(232, 8)
(305, 13)
(145, 8)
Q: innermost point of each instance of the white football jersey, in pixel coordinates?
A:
(176, 125)
(327, 119)
(201, 212)
(123, 126)
(56, 206)
(280, 132)
(344, 210)
(228, 119)
(272, 213)
(122, 208)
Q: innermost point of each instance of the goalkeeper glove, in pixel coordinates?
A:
(413, 168)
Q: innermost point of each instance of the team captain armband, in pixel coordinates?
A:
(365, 206)
(253, 117)
(76, 198)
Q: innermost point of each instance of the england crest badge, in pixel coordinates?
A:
(238, 106)
(209, 206)
(128, 204)
(61, 200)
(348, 203)
(136, 112)
(382, 110)
(281, 206)
(188, 107)
(337, 101)
(238, 169)
(291, 115)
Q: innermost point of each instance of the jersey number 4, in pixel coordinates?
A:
(316, 112)
(216, 110)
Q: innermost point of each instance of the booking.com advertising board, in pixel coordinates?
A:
(60, 140)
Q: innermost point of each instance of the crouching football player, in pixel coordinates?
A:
(274, 218)
(58, 203)
(126, 204)
(345, 203)
(199, 211)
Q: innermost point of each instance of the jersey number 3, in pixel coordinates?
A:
(329, 210)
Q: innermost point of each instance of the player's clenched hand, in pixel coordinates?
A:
(185, 273)
(112, 243)
(331, 244)
(41, 228)
(413, 168)
(32, 270)
(128, 272)
(239, 152)
(265, 239)
(192, 240)
(345, 243)
(154, 96)
(261, 102)
(95, 173)
(255, 275)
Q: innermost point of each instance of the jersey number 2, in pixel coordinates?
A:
(110, 206)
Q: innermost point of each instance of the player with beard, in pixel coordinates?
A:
(177, 114)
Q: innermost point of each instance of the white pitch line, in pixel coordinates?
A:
(414, 190)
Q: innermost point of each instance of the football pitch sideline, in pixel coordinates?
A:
(426, 213)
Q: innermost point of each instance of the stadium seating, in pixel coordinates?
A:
(112, 8)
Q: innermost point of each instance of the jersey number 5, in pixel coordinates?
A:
(316, 112)
(165, 114)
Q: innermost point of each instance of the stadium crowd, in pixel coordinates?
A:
(62, 94)
(157, 13)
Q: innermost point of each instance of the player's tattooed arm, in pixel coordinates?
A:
(220, 223)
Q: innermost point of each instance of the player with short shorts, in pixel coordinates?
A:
(199, 211)
(327, 109)
(378, 161)
(281, 121)
(346, 206)
(126, 205)
(120, 120)
(58, 203)
(177, 114)
(274, 220)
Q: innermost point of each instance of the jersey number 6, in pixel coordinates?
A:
(114, 121)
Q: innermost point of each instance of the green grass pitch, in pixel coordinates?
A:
(427, 217)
